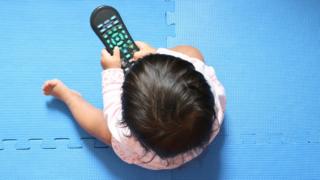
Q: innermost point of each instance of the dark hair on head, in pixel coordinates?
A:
(167, 105)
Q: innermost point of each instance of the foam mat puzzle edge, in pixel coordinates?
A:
(45, 143)
(40, 143)
(243, 138)
(169, 15)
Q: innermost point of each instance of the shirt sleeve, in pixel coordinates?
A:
(112, 80)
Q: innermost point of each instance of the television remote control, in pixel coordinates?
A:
(109, 27)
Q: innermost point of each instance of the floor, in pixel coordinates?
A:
(266, 54)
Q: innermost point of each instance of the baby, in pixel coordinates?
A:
(160, 115)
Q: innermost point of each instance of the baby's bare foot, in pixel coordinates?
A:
(57, 89)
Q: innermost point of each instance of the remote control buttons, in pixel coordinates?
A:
(113, 42)
(100, 26)
(106, 21)
(128, 56)
(119, 43)
(121, 36)
(113, 17)
(114, 34)
(126, 70)
(115, 22)
(103, 30)
(124, 51)
(109, 26)
(109, 43)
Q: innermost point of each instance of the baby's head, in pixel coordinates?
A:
(167, 105)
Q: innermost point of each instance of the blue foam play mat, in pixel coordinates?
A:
(266, 54)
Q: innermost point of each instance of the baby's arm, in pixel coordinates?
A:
(189, 50)
(90, 118)
(87, 116)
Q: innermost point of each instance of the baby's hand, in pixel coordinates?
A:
(145, 49)
(108, 61)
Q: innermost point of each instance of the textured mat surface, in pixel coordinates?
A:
(41, 40)
(266, 53)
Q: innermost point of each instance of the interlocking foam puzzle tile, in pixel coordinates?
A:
(266, 54)
(41, 40)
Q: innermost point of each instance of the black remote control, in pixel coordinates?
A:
(109, 27)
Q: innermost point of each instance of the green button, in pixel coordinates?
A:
(131, 46)
(118, 39)
(126, 36)
(113, 17)
(120, 26)
(129, 42)
(113, 42)
(108, 41)
(123, 31)
(114, 29)
(114, 35)
(119, 43)
(124, 51)
(125, 45)
(109, 32)
(128, 56)
(105, 36)
(111, 46)
(121, 36)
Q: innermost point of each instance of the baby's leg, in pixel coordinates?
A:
(89, 117)
(189, 50)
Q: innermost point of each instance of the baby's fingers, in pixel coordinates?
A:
(139, 54)
(140, 44)
(116, 52)
(105, 54)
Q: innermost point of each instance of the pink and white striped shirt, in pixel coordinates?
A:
(128, 148)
